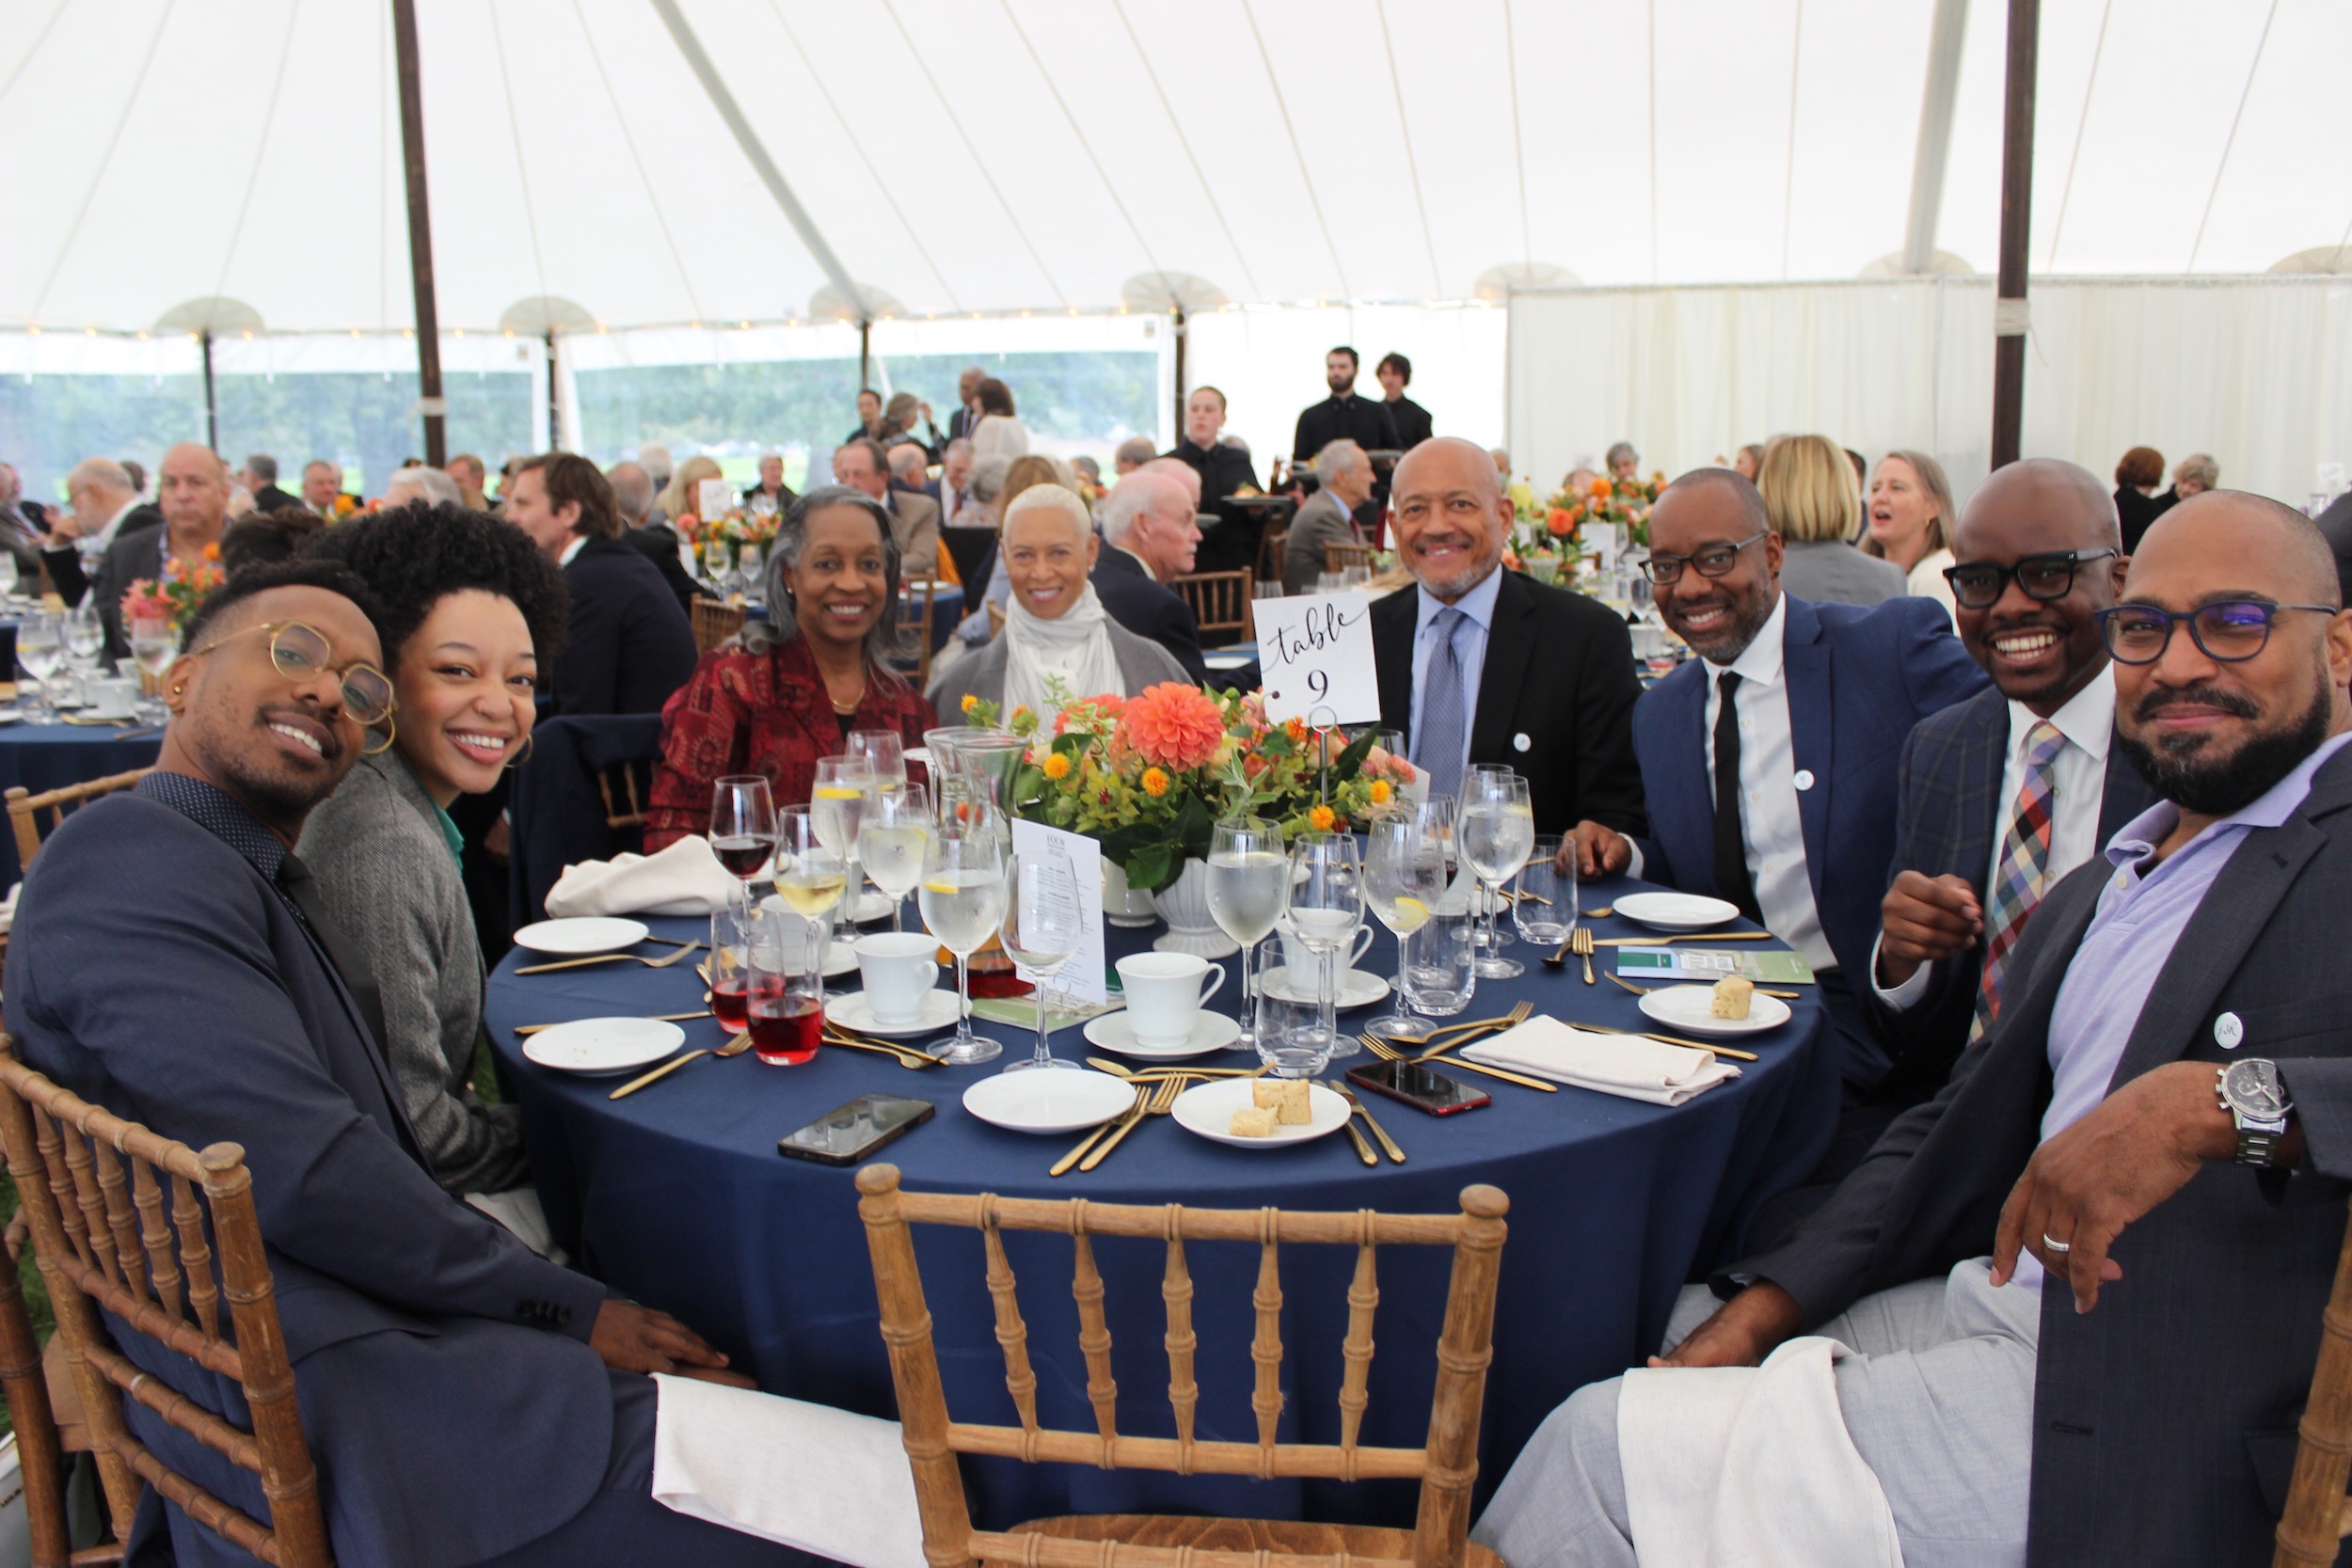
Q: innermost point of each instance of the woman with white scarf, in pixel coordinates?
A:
(1055, 626)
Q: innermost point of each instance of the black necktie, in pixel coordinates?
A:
(1731, 852)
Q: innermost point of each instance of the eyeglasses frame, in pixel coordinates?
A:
(2173, 620)
(1651, 564)
(2073, 558)
(342, 675)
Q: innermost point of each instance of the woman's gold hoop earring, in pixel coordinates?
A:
(524, 755)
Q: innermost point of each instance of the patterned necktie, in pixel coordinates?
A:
(1444, 727)
(2024, 871)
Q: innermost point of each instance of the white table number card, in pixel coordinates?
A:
(1082, 978)
(714, 497)
(1314, 651)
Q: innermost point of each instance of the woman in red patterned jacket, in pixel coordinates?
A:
(790, 690)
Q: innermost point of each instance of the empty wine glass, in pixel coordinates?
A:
(1496, 826)
(1041, 928)
(1404, 884)
(84, 635)
(154, 649)
(742, 828)
(961, 901)
(1248, 879)
(891, 836)
(811, 876)
(40, 649)
(1325, 906)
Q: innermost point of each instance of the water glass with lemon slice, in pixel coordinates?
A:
(836, 803)
(1404, 881)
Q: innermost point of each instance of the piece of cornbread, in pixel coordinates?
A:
(1286, 1097)
(1732, 995)
(1254, 1122)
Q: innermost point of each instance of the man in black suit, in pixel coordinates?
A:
(657, 542)
(967, 412)
(632, 645)
(2118, 1380)
(1479, 664)
(1223, 471)
(1342, 415)
(2025, 776)
(1148, 536)
(1413, 424)
(772, 484)
(259, 479)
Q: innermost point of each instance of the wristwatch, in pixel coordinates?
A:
(2256, 1101)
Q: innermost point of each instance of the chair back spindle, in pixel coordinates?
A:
(715, 621)
(2318, 1516)
(34, 817)
(1219, 600)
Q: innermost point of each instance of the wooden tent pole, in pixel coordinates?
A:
(2010, 319)
(429, 399)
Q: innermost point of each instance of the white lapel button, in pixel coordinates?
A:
(1804, 781)
(2228, 1031)
(1519, 742)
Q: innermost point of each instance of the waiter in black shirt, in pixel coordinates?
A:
(1233, 542)
(1413, 424)
(1343, 415)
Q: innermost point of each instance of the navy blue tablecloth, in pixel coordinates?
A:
(50, 756)
(678, 1196)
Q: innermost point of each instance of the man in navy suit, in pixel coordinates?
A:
(468, 1401)
(632, 645)
(1769, 761)
(2018, 785)
(1148, 529)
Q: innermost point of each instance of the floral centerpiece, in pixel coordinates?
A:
(1546, 539)
(1147, 777)
(179, 596)
(737, 539)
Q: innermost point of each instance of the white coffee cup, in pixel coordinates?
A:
(1301, 959)
(113, 698)
(1165, 992)
(898, 971)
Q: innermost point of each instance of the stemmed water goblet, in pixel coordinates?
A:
(40, 649)
(884, 753)
(1325, 906)
(1041, 927)
(154, 649)
(1496, 829)
(1248, 879)
(837, 802)
(961, 901)
(892, 833)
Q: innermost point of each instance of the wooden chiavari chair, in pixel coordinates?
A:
(2318, 1516)
(45, 1413)
(714, 623)
(1339, 556)
(26, 810)
(1446, 1465)
(120, 1220)
(1219, 601)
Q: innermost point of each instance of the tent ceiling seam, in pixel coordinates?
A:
(1215, 207)
(955, 120)
(1789, 163)
(515, 129)
(858, 146)
(1931, 152)
(1651, 66)
(2254, 68)
(1282, 106)
(105, 161)
(1518, 139)
(653, 198)
(1412, 164)
(2090, 87)
(1100, 172)
(384, 168)
(34, 48)
(253, 173)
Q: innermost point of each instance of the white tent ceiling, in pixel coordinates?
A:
(996, 156)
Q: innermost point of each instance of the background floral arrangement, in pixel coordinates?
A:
(179, 596)
(720, 542)
(1149, 776)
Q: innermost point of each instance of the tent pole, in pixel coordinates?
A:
(555, 400)
(1179, 310)
(1933, 155)
(429, 399)
(864, 354)
(212, 410)
(2010, 318)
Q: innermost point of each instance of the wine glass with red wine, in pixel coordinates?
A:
(744, 828)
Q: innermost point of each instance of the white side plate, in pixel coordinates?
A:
(596, 1046)
(1676, 912)
(1049, 1101)
(1690, 1010)
(579, 937)
(1208, 1110)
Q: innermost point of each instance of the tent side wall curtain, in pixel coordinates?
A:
(2258, 371)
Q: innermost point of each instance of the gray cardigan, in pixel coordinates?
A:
(1141, 663)
(387, 876)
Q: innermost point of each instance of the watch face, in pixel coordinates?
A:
(2254, 1090)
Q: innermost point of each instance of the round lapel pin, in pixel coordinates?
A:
(2228, 1031)
(1519, 742)
(1804, 781)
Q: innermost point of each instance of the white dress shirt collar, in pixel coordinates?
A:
(1761, 662)
(571, 549)
(2085, 719)
(1478, 604)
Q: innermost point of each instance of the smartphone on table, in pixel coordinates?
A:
(1422, 1087)
(847, 1133)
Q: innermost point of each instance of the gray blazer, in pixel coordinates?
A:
(2163, 1419)
(1141, 663)
(1828, 572)
(1321, 520)
(385, 871)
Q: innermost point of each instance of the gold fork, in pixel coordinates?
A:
(1364, 1150)
(662, 962)
(1501, 1021)
(1357, 1107)
(1388, 1053)
(904, 1058)
(1511, 1019)
(1152, 1098)
(1581, 943)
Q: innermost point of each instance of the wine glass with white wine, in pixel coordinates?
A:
(1496, 829)
(1248, 879)
(811, 876)
(961, 899)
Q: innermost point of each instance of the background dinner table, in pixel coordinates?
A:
(677, 1197)
(50, 756)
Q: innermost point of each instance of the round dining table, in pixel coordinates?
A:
(42, 757)
(676, 1195)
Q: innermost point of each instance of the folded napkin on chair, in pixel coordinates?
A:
(685, 879)
(807, 1475)
(1623, 1065)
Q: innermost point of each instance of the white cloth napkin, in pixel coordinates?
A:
(807, 1475)
(1623, 1065)
(684, 878)
(1750, 1467)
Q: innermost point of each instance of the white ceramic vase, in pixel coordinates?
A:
(1122, 904)
(1184, 905)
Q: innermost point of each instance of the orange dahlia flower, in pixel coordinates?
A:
(1173, 725)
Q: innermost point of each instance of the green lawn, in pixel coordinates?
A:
(29, 1277)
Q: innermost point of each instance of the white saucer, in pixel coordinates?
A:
(1049, 1101)
(1116, 1032)
(594, 1047)
(854, 1011)
(1208, 1109)
(1356, 988)
(1690, 1010)
(10, 716)
(1676, 911)
(579, 937)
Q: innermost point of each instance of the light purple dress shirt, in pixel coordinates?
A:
(2131, 937)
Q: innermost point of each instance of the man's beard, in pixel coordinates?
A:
(2225, 785)
(1728, 642)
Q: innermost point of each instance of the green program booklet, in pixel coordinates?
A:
(1710, 964)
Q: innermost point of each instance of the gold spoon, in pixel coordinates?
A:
(735, 1047)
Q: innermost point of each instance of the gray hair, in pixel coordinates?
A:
(656, 457)
(1138, 450)
(987, 477)
(2200, 467)
(434, 486)
(783, 626)
(1134, 496)
(1339, 457)
(1621, 449)
(100, 470)
(961, 446)
(908, 460)
(632, 490)
(261, 466)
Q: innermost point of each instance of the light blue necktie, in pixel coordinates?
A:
(1444, 727)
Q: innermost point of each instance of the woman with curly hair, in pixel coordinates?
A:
(472, 612)
(790, 689)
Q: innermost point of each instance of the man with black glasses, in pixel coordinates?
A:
(1769, 761)
(2004, 794)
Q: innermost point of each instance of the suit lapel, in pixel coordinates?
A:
(1393, 618)
(1976, 783)
(1510, 646)
(1806, 667)
(1681, 796)
(2124, 796)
